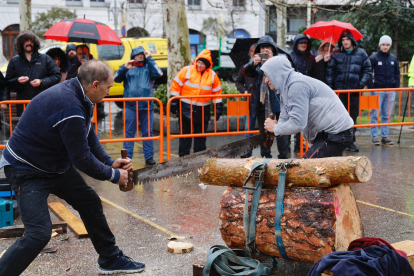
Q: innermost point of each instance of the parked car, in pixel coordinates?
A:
(118, 55)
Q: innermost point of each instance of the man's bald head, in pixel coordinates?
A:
(96, 79)
(94, 70)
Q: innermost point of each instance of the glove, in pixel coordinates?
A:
(175, 106)
(219, 110)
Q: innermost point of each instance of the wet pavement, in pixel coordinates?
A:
(144, 218)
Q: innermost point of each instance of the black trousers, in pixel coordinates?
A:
(32, 189)
(353, 106)
(196, 112)
(328, 145)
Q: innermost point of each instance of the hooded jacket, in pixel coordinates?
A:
(40, 66)
(386, 71)
(320, 64)
(139, 81)
(55, 133)
(304, 62)
(308, 105)
(251, 71)
(73, 60)
(348, 71)
(190, 82)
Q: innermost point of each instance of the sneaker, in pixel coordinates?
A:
(122, 264)
(150, 162)
(352, 148)
(246, 155)
(268, 156)
(387, 141)
(376, 141)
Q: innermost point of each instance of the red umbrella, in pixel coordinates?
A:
(333, 29)
(82, 30)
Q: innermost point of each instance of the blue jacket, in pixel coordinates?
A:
(305, 62)
(55, 131)
(254, 72)
(386, 71)
(139, 81)
(348, 71)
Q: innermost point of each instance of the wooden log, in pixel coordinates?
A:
(315, 221)
(319, 172)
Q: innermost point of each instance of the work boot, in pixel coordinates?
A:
(352, 148)
(150, 162)
(268, 156)
(376, 141)
(386, 141)
(122, 264)
(246, 155)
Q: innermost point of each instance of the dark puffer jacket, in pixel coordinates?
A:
(348, 71)
(41, 67)
(251, 71)
(386, 71)
(305, 62)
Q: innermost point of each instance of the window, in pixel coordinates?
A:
(73, 3)
(136, 1)
(110, 52)
(100, 3)
(295, 24)
(238, 3)
(194, 3)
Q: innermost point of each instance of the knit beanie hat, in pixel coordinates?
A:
(385, 39)
(205, 61)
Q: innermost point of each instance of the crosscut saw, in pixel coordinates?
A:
(193, 162)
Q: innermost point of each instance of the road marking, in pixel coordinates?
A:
(384, 208)
(147, 221)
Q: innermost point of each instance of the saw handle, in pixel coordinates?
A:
(130, 185)
(270, 136)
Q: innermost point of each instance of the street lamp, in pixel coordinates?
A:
(115, 10)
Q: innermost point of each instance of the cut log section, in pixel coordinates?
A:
(319, 172)
(180, 247)
(315, 221)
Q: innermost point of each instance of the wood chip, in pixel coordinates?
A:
(180, 247)
(49, 250)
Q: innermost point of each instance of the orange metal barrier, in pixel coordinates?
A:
(95, 121)
(234, 108)
(368, 102)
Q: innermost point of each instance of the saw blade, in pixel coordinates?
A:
(193, 162)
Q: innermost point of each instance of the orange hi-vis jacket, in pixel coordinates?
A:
(190, 82)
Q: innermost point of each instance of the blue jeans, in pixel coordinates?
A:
(385, 99)
(131, 130)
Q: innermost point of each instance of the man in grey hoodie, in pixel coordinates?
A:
(308, 106)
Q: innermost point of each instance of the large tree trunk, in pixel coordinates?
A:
(25, 10)
(315, 221)
(176, 29)
(319, 172)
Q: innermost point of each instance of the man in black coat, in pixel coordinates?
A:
(30, 72)
(265, 45)
(305, 64)
(349, 68)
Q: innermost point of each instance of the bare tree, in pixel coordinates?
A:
(144, 14)
(25, 8)
(178, 39)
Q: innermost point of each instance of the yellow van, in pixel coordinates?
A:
(116, 56)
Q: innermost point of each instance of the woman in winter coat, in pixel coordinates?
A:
(324, 54)
(59, 57)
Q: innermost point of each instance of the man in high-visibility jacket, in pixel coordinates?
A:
(194, 80)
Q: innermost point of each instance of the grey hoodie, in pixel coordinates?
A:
(307, 104)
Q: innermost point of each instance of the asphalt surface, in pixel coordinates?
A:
(144, 218)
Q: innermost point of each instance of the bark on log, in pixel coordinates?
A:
(315, 221)
(320, 172)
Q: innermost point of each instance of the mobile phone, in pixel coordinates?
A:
(85, 57)
(263, 56)
(137, 63)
